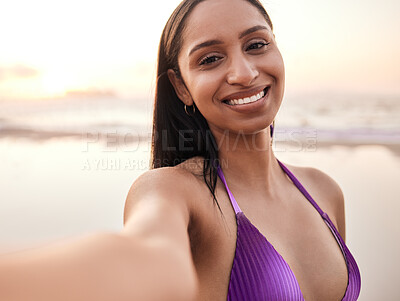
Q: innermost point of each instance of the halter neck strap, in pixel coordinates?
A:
(291, 176)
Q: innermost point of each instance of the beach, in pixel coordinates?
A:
(63, 180)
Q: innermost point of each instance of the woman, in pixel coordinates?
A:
(220, 85)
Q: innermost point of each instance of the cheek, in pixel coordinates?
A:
(275, 66)
(204, 87)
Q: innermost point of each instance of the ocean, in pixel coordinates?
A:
(332, 119)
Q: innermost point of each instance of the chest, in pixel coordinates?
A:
(298, 234)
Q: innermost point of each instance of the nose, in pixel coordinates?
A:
(241, 71)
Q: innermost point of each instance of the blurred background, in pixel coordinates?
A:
(76, 94)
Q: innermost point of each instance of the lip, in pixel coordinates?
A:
(252, 106)
(245, 94)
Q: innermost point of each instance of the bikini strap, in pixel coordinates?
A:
(323, 214)
(292, 177)
(301, 188)
(231, 198)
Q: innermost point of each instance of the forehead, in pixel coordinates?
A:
(220, 19)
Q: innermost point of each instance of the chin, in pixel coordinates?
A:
(253, 128)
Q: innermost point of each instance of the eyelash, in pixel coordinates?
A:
(259, 43)
(207, 58)
(204, 61)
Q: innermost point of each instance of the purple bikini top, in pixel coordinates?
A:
(259, 272)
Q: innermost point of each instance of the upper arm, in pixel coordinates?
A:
(157, 215)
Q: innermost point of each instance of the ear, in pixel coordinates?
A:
(180, 87)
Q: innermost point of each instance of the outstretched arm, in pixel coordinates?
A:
(149, 260)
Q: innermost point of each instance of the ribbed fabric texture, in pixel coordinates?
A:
(259, 272)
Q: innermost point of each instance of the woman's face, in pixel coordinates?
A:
(229, 56)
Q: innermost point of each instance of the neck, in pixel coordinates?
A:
(247, 160)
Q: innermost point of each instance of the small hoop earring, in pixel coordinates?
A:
(194, 110)
(271, 130)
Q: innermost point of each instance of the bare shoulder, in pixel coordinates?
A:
(166, 185)
(325, 191)
(166, 191)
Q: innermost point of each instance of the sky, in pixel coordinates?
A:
(50, 49)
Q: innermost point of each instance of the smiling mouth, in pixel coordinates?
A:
(247, 100)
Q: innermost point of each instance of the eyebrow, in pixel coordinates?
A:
(205, 44)
(251, 30)
(218, 42)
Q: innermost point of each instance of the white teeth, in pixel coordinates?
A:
(247, 99)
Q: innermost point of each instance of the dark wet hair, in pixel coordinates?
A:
(177, 136)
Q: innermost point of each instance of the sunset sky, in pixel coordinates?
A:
(109, 47)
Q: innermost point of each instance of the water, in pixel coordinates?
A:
(74, 117)
(344, 118)
(339, 119)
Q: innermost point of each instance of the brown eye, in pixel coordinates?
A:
(257, 45)
(209, 60)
